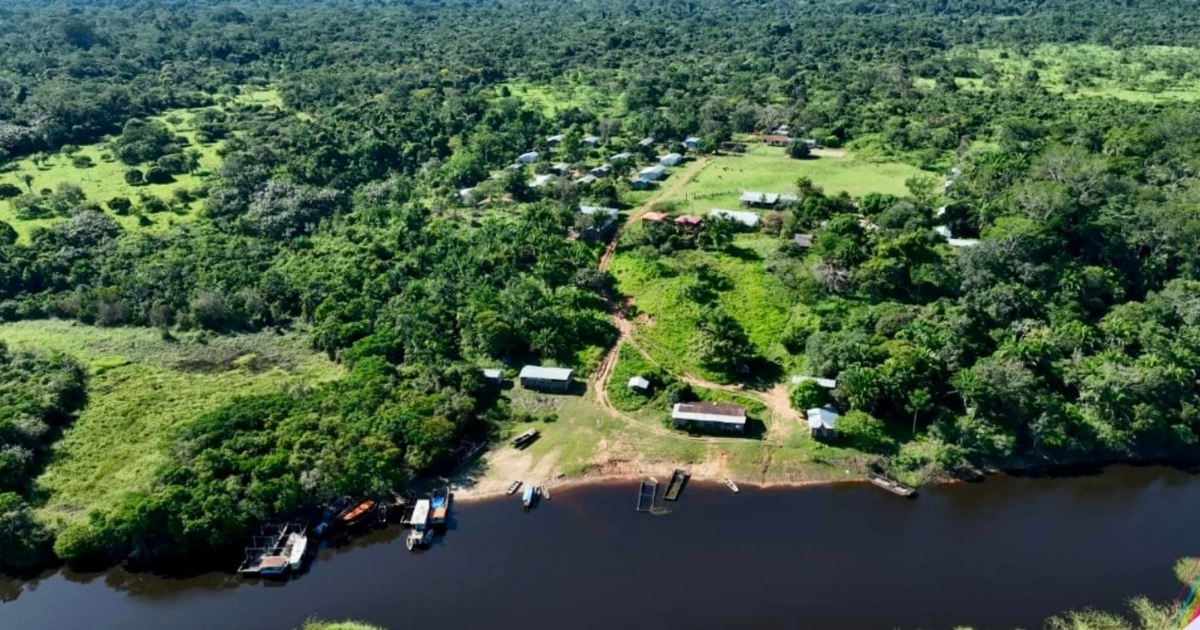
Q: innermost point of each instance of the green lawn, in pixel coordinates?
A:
(140, 389)
(758, 300)
(554, 98)
(106, 178)
(1142, 73)
(770, 170)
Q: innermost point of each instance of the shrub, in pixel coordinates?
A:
(82, 161)
(158, 175)
(134, 177)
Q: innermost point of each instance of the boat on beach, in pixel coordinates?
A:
(675, 486)
(439, 507)
(527, 497)
(513, 487)
(891, 485)
(731, 485)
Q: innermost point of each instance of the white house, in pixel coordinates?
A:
(529, 158)
(748, 219)
(653, 173)
(670, 159)
(692, 143)
(822, 422)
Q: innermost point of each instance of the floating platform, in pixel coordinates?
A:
(277, 549)
(675, 487)
(646, 493)
(891, 485)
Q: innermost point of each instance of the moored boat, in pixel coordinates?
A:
(513, 487)
(356, 514)
(439, 507)
(731, 485)
(420, 534)
(527, 497)
(299, 545)
(891, 485)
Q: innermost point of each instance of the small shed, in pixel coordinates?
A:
(775, 139)
(587, 180)
(529, 158)
(822, 422)
(601, 171)
(709, 417)
(621, 156)
(692, 143)
(670, 159)
(541, 180)
(748, 219)
(554, 140)
(803, 241)
(562, 168)
(546, 379)
(602, 222)
(639, 385)
(653, 173)
(591, 141)
(754, 199)
(646, 142)
(494, 376)
(827, 383)
(688, 222)
(654, 217)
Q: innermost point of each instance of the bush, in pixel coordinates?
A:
(82, 161)
(8, 191)
(808, 394)
(158, 175)
(134, 177)
(865, 433)
(120, 205)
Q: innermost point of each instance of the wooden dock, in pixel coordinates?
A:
(646, 494)
(891, 485)
(678, 480)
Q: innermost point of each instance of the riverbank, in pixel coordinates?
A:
(810, 554)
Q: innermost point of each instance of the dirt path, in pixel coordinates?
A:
(674, 185)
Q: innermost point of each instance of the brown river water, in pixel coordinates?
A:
(1001, 554)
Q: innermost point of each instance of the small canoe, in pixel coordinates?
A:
(546, 492)
(512, 489)
(732, 486)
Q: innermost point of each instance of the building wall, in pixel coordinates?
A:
(545, 385)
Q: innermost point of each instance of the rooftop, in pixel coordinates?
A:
(803, 240)
(611, 212)
(750, 196)
(639, 382)
(689, 219)
(546, 373)
(827, 383)
(750, 219)
(492, 373)
(654, 216)
(823, 418)
(709, 412)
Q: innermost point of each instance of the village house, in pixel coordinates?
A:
(528, 158)
(646, 143)
(688, 222)
(732, 147)
(591, 141)
(546, 379)
(654, 217)
(775, 140)
(748, 219)
(541, 180)
(753, 199)
(469, 196)
(709, 417)
(803, 241)
(822, 422)
(562, 168)
(670, 159)
(692, 143)
(653, 173)
(587, 180)
(945, 233)
(598, 224)
(601, 171)
(827, 383)
(788, 200)
(639, 385)
(493, 376)
(554, 140)
(621, 157)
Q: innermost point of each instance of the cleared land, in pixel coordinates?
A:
(1142, 73)
(105, 179)
(758, 300)
(141, 388)
(769, 169)
(557, 97)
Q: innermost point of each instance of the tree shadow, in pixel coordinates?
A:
(742, 253)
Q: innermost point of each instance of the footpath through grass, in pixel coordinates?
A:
(141, 389)
(758, 300)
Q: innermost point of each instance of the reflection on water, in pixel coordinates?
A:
(1001, 554)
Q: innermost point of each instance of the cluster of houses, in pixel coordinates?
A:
(781, 136)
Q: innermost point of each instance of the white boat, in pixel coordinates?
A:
(298, 544)
(732, 486)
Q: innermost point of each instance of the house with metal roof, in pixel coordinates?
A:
(587, 180)
(639, 385)
(469, 196)
(591, 141)
(748, 219)
(803, 241)
(654, 217)
(754, 199)
(646, 142)
(541, 180)
(670, 159)
(546, 379)
(822, 422)
(554, 140)
(601, 171)
(692, 143)
(529, 158)
(827, 383)
(621, 156)
(653, 173)
(598, 224)
(705, 416)
(494, 376)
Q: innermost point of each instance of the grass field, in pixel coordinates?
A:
(140, 389)
(106, 178)
(769, 169)
(1142, 74)
(758, 300)
(554, 98)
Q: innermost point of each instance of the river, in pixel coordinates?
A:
(1002, 554)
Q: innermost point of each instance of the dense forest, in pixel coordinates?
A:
(1070, 332)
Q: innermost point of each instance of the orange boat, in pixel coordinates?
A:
(358, 511)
